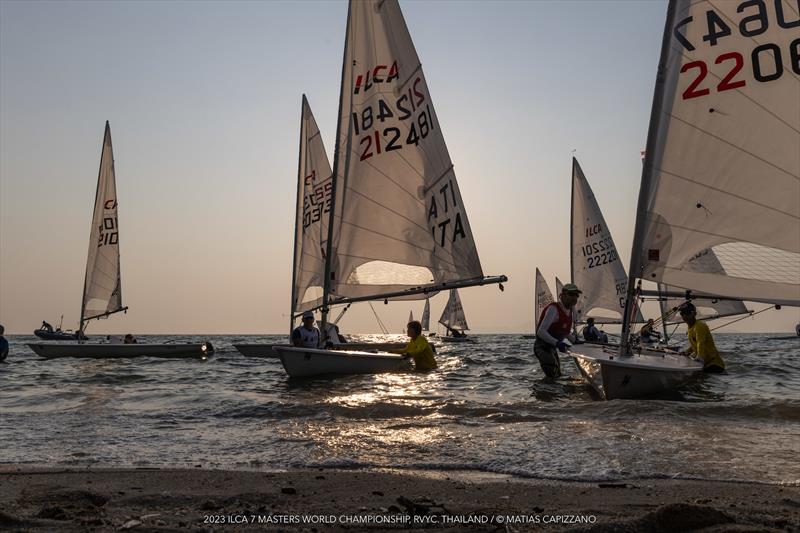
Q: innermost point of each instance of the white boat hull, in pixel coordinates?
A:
(265, 350)
(636, 376)
(120, 351)
(306, 362)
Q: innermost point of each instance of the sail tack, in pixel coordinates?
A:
(403, 224)
(453, 314)
(543, 296)
(314, 185)
(595, 263)
(102, 293)
(723, 165)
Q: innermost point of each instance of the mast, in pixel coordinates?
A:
(296, 204)
(326, 286)
(572, 246)
(644, 189)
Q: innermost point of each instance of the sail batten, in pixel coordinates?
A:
(102, 294)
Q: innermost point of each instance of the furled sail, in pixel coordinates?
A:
(723, 166)
(707, 308)
(453, 314)
(403, 224)
(102, 292)
(543, 296)
(426, 316)
(312, 215)
(596, 267)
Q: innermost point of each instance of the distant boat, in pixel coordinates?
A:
(709, 136)
(102, 293)
(57, 335)
(397, 228)
(454, 320)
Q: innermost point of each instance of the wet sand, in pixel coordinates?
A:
(335, 500)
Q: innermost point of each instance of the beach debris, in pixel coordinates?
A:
(209, 505)
(131, 524)
(148, 516)
(422, 507)
(52, 513)
(614, 485)
(289, 490)
(319, 477)
(377, 493)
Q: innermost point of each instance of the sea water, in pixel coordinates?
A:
(486, 408)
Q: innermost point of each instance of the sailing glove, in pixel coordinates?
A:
(562, 346)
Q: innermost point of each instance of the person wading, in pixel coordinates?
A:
(555, 325)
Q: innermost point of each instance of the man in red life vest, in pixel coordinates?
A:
(555, 325)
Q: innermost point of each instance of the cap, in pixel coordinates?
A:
(687, 308)
(571, 287)
(308, 314)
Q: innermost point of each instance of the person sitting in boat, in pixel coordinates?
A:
(456, 334)
(701, 343)
(47, 327)
(591, 333)
(648, 334)
(130, 339)
(342, 338)
(306, 335)
(555, 324)
(3, 344)
(418, 348)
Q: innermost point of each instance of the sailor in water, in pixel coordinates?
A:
(306, 336)
(418, 348)
(701, 343)
(555, 324)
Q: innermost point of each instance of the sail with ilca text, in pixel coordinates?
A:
(403, 224)
(595, 263)
(723, 166)
(102, 293)
(453, 314)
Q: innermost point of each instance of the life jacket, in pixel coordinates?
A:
(310, 339)
(562, 327)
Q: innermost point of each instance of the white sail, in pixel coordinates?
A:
(596, 267)
(411, 316)
(426, 316)
(403, 224)
(102, 293)
(723, 163)
(453, 314)
(559, 287)
(543, 296)
(706, 261)
(312, 214)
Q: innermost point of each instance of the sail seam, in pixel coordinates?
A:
(654, 221)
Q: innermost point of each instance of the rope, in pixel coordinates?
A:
(749, 315)
(380, 323)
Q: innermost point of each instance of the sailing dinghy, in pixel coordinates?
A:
(102, 292)
(397, 228)
(454, 319)
(722, 172)
(542, 297)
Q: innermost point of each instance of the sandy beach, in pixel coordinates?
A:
(331, 500)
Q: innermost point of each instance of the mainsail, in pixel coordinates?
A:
(426, 316)
(400, 228)
(559, 287)
(543, 296)
(411, 316)
(594, 261)
(453, 314)
(312, 215)
(102, 290)
(707, 308)
(723, 166)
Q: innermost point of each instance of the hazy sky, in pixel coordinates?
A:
(204, 104)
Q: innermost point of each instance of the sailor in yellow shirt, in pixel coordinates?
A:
(701, 343)
(418, 348)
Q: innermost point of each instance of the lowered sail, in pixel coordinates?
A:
(102, 292)
(723, 165)
(403, 224)
(426, 316)
(705, 261)
(312, 214)
(596, 267)
(543, 296)
(453, 314)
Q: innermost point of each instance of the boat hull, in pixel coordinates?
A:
(265, 350)
(636, 376)
(121, 351)
(54, 335)
(307, 362)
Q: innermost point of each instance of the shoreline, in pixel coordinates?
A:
(322, 499)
